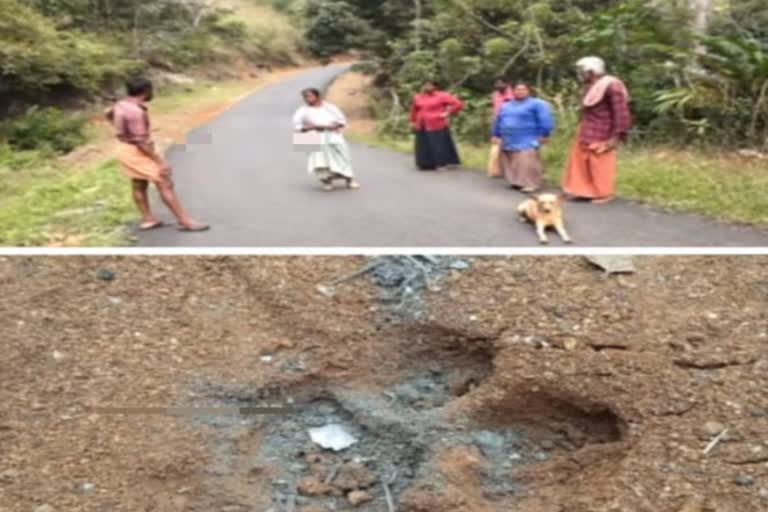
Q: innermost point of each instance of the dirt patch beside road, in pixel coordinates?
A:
(350, 92)
(547, 385)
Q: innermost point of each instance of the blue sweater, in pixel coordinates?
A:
(521, 124)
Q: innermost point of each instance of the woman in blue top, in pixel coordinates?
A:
(522, 127)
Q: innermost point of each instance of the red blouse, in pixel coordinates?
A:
(428, 110)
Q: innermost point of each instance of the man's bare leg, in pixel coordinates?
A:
(141, 198)
(171, 200)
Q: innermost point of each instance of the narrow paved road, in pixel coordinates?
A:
(241, 175)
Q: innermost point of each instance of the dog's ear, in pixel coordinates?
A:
(562, 196)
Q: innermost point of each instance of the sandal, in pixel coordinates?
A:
(149, 226)
(196, 228)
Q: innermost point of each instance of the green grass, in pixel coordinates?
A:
(721, 186)
(42, 205)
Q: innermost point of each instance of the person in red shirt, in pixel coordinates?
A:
(605, 122)
(430, 117)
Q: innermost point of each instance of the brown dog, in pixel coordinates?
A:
(545, 211)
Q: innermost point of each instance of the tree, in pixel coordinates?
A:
(332, 26)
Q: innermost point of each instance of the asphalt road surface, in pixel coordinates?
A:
(241, 174)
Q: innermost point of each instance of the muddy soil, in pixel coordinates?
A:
(529, 384)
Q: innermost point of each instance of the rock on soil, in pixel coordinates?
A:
(357, 498)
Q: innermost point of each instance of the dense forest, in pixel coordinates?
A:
(698, 68)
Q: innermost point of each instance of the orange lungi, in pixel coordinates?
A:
(138, 166)
(591, 175)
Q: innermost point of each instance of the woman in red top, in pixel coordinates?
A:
(430, 117)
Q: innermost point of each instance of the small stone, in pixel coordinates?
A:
(58, 356)
(541, 456)
(744, 480)
(115, 300)
(354, 476)
(488, 441)
(613, 264)
(570, 344)
(713, 428)
(256, 470)
(312, 486)
(9, 475)
(88, 487)
(764, 493)
(315, 458)
(45, 508)
(459, 265)
(266, 359)
(286, 344)
(105, 275)
(357, 498)
(547, 445)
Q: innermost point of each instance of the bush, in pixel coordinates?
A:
(46, 129)
(36, 57)
(331, 26)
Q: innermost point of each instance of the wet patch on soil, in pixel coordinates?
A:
(403, 431)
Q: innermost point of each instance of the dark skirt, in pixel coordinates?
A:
(435, 149)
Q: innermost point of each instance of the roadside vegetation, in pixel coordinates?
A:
(61, 61)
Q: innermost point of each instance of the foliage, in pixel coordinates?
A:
(332, 25)
(52, 50)
(47, 129)
(728, 85)
(683, 88)
(36, 57)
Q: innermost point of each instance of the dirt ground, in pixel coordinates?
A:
(350, 93)
(635, 374)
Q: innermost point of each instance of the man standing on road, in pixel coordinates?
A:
(605, 122)
(140, 160)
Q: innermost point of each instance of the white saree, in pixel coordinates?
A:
(333, 158)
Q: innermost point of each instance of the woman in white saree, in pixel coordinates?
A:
(332, 160)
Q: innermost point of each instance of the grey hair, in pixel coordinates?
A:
(594, 64)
